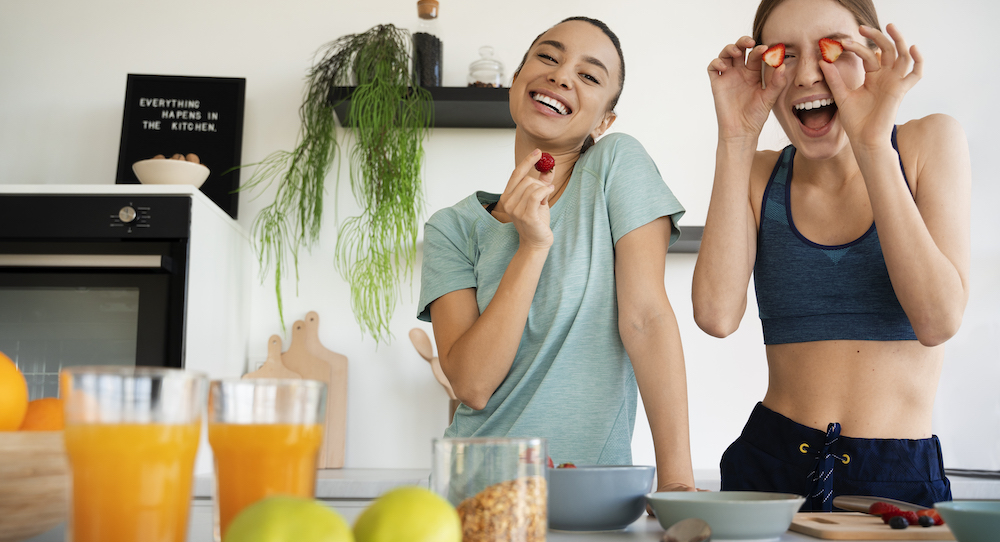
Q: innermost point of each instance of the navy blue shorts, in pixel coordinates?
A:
(777, 454)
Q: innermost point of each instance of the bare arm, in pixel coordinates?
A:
(729, 243)
(649, 332)
(925, 241)
(476, 351)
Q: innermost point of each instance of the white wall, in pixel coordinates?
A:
(62, 80)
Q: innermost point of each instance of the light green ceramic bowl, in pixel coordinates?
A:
(732, 515)
(972, 521)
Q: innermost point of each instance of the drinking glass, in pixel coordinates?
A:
(131, 437)
(498, 485)
(265, 435)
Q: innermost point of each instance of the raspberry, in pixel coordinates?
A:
(880, 508)
(545, 163)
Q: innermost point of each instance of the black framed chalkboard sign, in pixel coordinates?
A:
(171, 114)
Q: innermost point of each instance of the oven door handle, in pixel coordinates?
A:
(106, 261)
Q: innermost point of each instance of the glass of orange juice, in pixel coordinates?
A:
(265, 436)
(131, 438)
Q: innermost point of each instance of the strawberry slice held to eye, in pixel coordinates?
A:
(774, 56)
(830, 49)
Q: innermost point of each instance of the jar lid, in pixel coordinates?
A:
(427, 9)
(486, 61)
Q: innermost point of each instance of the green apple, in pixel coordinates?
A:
(288, 519)
(409, 514)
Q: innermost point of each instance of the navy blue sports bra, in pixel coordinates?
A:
(812, 292)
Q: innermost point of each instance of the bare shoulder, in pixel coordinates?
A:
(934, 143)
(760, 173)
(931, 135)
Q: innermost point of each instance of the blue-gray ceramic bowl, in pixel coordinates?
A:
(971, 521)
(598, 498)
(732, 515)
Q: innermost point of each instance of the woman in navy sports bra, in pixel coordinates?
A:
(857, 235)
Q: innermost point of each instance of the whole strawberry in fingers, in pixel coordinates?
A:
(545, 163)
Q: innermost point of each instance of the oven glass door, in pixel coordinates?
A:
(51, 320)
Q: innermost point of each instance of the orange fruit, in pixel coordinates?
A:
(13, 395)
(44, 415)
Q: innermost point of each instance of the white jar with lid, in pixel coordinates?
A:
(487, 71)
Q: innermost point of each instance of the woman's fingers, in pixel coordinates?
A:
(756, 57)
(522, 169)
(918, 65)
(884, 44)
(867, 56)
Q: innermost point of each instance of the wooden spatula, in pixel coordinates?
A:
(423, 345)
(273, 367)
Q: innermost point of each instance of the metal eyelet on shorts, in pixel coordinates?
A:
(804, 447)
(845, 459)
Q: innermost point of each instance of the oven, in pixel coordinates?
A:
(120, 275)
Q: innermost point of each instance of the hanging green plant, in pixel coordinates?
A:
(390, 119)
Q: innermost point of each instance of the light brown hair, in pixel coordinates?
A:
(863, 11)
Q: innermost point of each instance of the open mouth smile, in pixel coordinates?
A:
(817, 114)
(551, 103)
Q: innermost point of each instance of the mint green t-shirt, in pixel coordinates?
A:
(571, 381)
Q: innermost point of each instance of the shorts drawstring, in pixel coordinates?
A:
(820, 496)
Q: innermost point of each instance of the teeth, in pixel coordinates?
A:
(551, 102)
(813, 104)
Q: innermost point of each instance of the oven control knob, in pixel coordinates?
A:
(127, 214)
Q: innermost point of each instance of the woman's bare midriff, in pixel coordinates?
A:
(874, 389)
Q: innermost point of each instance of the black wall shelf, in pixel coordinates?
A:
(454, 107)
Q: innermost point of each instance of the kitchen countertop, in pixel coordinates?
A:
(351, 490)
(644, 529)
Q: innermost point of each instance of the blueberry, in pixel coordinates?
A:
(898, 522)
(926, 521)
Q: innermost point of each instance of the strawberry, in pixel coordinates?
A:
(549, 463)
(566, 466)
(880, 508)
(545, 163)
(774, 56)
(830, 49)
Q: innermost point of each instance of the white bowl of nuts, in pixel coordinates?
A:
(178, 169)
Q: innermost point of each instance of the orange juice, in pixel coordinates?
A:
(131, 481)
(253, 461)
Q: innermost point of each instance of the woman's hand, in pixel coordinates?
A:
(868, 112)
(526, 201)
(741, 105)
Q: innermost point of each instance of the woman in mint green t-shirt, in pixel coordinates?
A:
(548, 300)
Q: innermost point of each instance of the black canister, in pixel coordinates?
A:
(427, 46)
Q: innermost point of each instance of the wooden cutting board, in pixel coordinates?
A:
(336, 397)
(858, 526)
(273, 367)
(317, 363)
